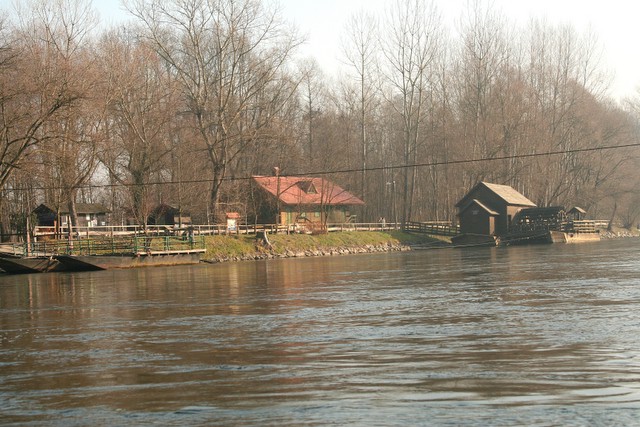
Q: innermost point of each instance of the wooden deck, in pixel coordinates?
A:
(117, 245)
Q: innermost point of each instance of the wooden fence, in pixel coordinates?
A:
(119, 245)
(582, 226)
(201, 230)
(438, 228)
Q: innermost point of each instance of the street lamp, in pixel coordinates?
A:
(395, 211)
(276, 172)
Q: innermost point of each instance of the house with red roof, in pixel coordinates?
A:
(303, 200)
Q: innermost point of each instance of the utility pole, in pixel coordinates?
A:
(276, 171)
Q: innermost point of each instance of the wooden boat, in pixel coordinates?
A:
(142, 259)
(33, 264)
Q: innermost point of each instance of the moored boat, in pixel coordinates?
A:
(33, 264)
(103, 254)
(107, 262)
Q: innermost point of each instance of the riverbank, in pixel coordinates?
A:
(619, 233)
(249, 247)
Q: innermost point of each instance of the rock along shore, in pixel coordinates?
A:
(344, 250)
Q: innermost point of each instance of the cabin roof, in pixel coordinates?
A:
(81, 209)
(296, 190)
(577, 209)
(482, 206)
(508, 194)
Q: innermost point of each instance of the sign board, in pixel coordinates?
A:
(232, 221)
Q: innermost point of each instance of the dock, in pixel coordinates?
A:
(101, 253)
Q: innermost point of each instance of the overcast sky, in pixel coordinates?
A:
(616, 22)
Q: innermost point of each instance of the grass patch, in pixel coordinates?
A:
(242, 246)
(229, 246)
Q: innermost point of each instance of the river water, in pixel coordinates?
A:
(538, 335)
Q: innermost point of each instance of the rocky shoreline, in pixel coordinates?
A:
(617, 234)
(269, 254)
(265, 253)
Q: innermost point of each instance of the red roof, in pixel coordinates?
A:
(296, 190)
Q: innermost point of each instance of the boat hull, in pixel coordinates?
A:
(550, 236)
(26, 265)
(581, 237)
(108, 262)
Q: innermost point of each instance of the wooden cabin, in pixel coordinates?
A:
(164, 214)
(89, 215)
(288, 200)
(488, 209)
(576, 213)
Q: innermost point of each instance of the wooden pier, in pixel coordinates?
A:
(102, 253)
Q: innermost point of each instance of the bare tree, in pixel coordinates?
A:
(481, 71)
(360, 50)
(42, 80)
(410, 49)
(229, 57)
(62, 28)
(561, 74)
(312, 90)
(143, 105)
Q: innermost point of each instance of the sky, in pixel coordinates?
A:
(616, 22)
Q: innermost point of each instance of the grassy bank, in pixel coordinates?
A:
(244, 247)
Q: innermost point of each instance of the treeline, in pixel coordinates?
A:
(189, 98)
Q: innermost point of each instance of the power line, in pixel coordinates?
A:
(478, 160)
(355, 170)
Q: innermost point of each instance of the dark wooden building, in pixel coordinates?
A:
(576, 213)
(164, 214)
(488, 209)
(89, 215)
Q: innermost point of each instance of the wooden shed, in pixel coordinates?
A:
(488, 209)
(577, 213)
(164, 214)
(89, 215)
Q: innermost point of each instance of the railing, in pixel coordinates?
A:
(438, 228)
(582, 226)
(572, 226)
(113, 246)
(441, 228)
(201, 230)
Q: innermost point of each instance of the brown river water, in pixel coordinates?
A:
(538, 336)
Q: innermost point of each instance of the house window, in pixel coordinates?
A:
(316, 214)
(307, 187)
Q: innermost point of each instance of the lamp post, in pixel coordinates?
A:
(276, 171)
(395, 211)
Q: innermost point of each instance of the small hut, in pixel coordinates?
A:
(488, 209)
(164, 214)
(577, 214)
(89, 215)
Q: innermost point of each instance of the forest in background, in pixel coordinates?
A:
(190, 98)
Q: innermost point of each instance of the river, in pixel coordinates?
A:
(536, 335)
